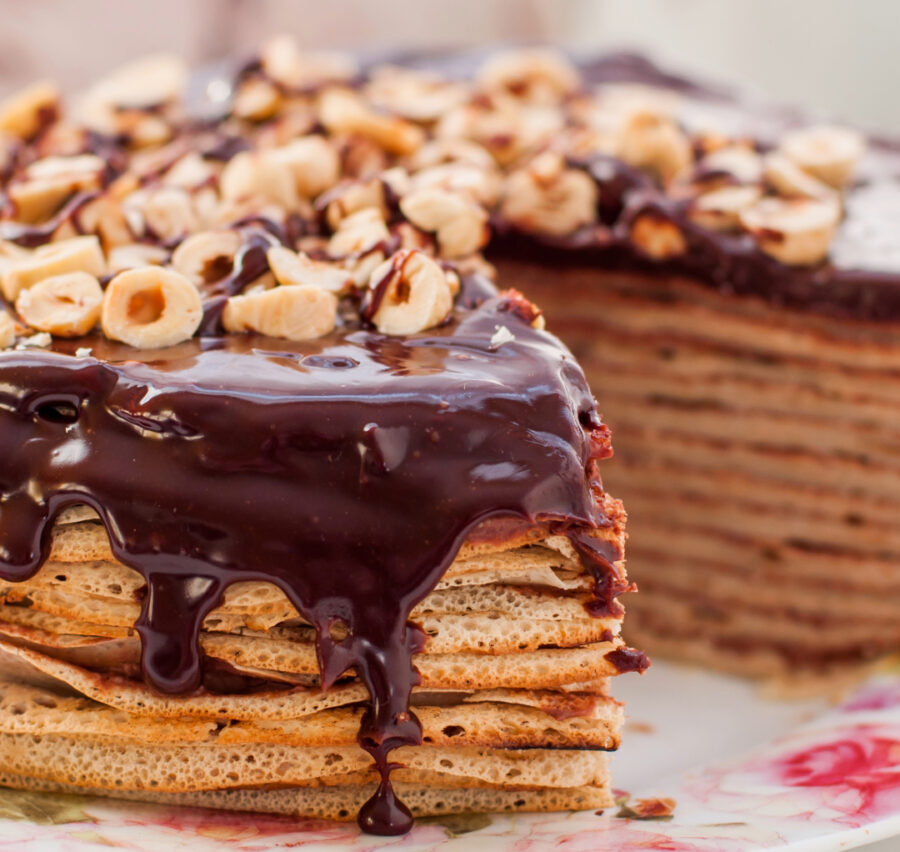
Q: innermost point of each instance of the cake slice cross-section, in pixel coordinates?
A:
(299, 511)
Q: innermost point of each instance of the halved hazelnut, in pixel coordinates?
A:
(166, 212)
(151, 308)
(413, 294)
(828, 153)
(649, 141)
(313, 162)
(134, 255)
(293, 313)
(483, 184)
(284, 62)
(345, 112)
(80, 254)
(259, 174)
(104, 217)
(47, 183)
(788, 179)
(65, 305)
(359, 232)
(145, 83)
(548, 198)
(25, 112)
(657, 238)
(440, 152)
(743, 163)
(189, 172)
(797, 231)
(299, 270)
(414, 94)
(719, 209)
(535, 74)
(256, 100)
(350, 197)
(207, 255)
(459, 224)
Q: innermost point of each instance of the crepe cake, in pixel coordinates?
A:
(299, 512)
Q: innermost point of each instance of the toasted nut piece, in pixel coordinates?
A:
(344, 111)
(416, 95)
(133, 255)
(25, 112)
(52, 167)
(259, 174)
(796, 231)
(507, 128)
(787, 178)
(657, 238)
(547, 198)
(49, 182)
(720, 209)
(294, 313)
(648, 141)
(359, 232)
(189, 172)
(256, 100)
(458, 222)
(540, 75)
(150, 308)
(483, 184)
(7, 330)
(826, 152)
(285, 63)
(414, 293)
(207, 255)
(167, 212)
(440, 152)
(147, 82)
(81, 254)
(104, 217)
(297, 269)
(352, 196)
(314, 163)
(740, 161)
(65, 305)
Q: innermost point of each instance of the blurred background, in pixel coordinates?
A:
(836, 57)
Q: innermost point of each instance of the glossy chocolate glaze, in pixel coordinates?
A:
(347, 471)
(729, 262)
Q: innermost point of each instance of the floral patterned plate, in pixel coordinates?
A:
(710, 766)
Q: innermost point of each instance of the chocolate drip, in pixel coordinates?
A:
(347, 471)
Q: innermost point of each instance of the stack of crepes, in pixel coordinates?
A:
(513, 698)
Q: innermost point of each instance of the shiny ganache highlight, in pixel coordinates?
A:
(347, 471)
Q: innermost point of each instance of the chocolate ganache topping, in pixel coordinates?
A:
(346, 470)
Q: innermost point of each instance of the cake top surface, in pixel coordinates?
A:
(609, 161)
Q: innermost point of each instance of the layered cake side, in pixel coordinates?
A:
(748, 367)
(299, 513)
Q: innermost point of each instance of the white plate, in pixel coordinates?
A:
(745, 773)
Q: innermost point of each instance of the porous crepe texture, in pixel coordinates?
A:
(513, 700)
(758, 451)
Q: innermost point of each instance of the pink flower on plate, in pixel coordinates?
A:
(876, 696)
(864, 762)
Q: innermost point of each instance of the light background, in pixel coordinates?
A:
(838, 57)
